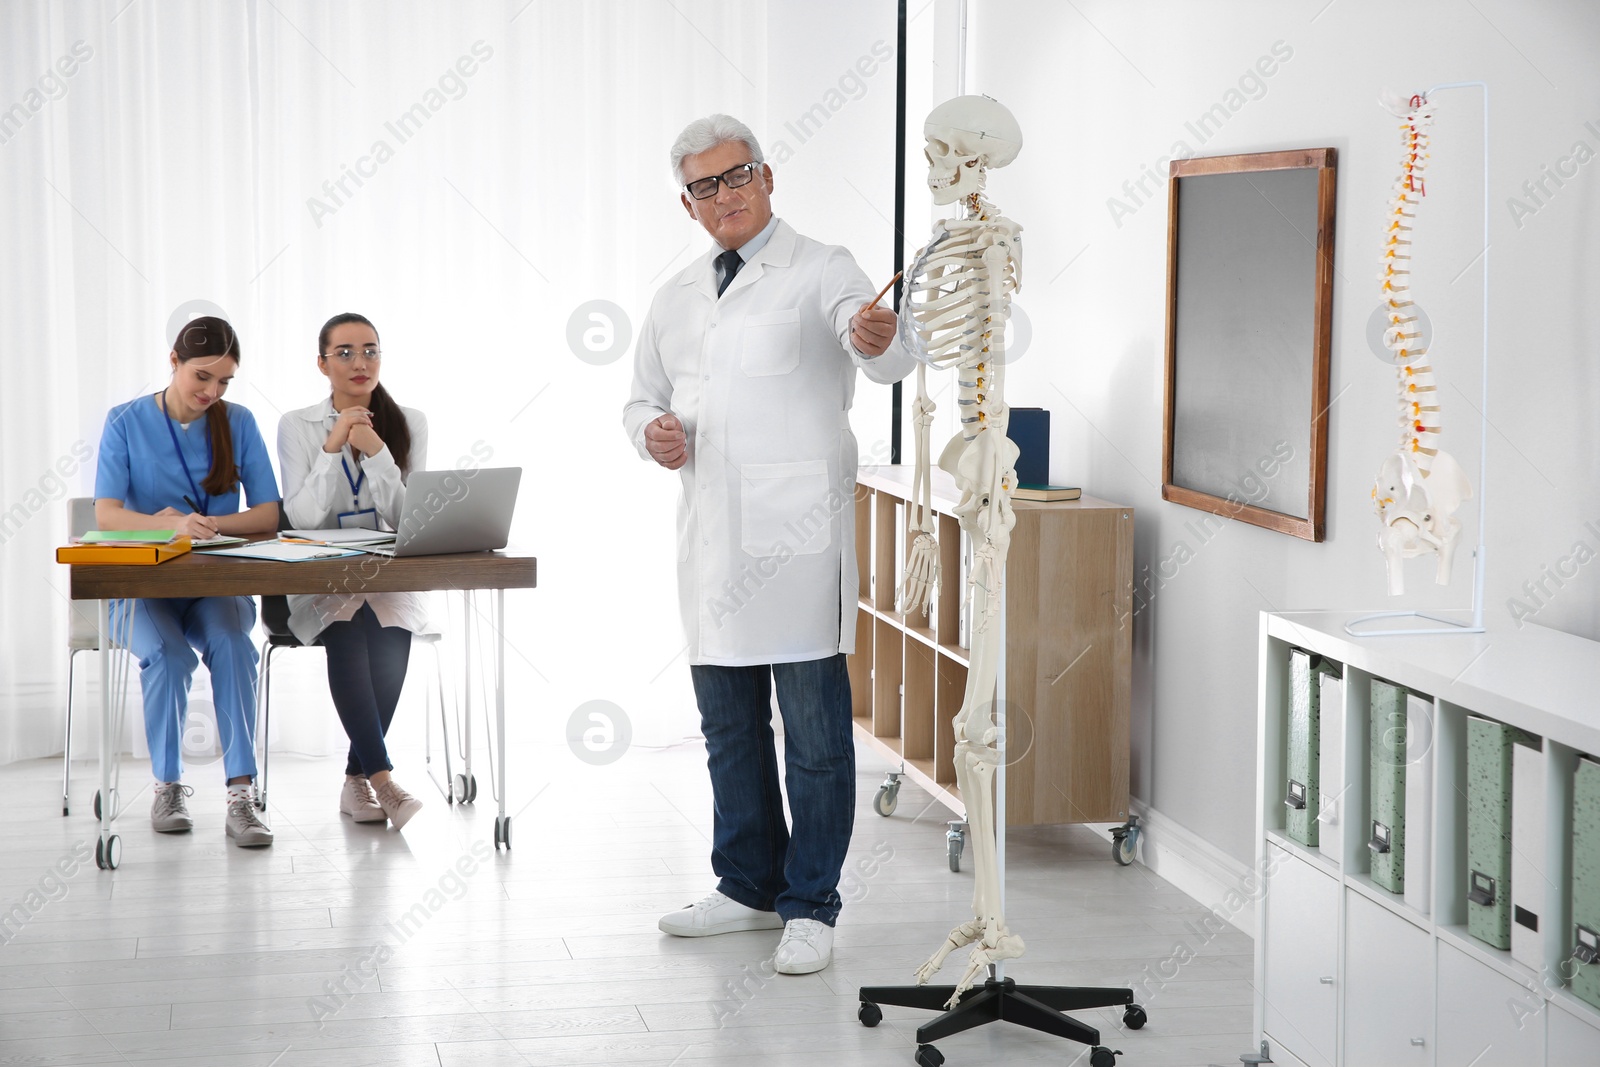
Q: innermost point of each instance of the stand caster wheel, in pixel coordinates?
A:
(869, 1014)
(928, 1056)
(502, 832)
(1125, 841)
(261, 801)
(1100, 1056)
(97, 803)
(954, 840)
(1134, 1017)
(466, 788)
(108, 853)
(888, 796)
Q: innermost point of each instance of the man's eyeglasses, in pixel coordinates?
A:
(705, 188)
(345, 353)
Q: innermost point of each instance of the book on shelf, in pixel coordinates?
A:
(1046, 493)
(137, 554)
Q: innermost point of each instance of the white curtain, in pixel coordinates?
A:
(466, 175)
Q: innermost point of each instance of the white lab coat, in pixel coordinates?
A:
(762, 381)
(315, 491)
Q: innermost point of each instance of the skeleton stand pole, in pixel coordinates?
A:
(1450, 626)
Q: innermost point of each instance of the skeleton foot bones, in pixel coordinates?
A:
(958, 299)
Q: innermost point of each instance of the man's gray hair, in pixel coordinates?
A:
(702, 135)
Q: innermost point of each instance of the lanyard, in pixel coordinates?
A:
(355, 483)
(203, 499)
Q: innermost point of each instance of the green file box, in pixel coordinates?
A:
(1303, 792)
(1386, 838)
(1585, 963)
(1489, 829)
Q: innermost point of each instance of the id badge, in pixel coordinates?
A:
(365, 519)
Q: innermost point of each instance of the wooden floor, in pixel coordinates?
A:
(194, 952)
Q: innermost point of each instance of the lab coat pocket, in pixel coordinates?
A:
(770, 343)
(784, 508)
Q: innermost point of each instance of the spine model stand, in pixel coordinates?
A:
(955, 312)
(1420, 486)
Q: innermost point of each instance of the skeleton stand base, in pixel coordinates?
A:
(1038, 1007)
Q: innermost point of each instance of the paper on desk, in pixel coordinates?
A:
(342, 537)
(276, 550)
(219, 541)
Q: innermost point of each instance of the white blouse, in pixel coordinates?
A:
(316, 491)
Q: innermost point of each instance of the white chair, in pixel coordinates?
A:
(276, 635)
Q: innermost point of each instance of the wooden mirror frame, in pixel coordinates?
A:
(1324, 162)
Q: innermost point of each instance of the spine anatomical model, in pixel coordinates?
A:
(1419, 486)
(955, 312)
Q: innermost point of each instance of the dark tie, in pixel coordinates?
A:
(730, 266)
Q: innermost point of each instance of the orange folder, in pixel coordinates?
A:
(124, 553)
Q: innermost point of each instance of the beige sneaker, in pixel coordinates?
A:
(169, 814)
(245, 826)
(356, 800)
(399, 805)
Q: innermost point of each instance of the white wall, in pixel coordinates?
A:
(1102, 91)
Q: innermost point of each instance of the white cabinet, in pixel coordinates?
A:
(1302, 954)
(1487, 1018)
(1388, 996)
(1351, 975)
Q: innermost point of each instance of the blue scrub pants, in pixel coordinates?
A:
(759, 860)
(166, 634)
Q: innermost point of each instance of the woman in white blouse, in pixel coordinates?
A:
(344, 461)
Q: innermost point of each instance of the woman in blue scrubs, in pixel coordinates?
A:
(177, 460)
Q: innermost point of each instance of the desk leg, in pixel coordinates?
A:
(467, 789)
(108, 848)
(503, 821)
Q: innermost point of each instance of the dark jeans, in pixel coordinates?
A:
(366, 670)
(760, 861)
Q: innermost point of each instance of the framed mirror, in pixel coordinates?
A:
(1249, 325)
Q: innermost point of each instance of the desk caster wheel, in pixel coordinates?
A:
(888, 796)
(108, 853)
(1134, 1017)
(502, 832)
(928, 1056)
(869, 1014)
(1125, 841)
(466, 788)
(1100, 1056)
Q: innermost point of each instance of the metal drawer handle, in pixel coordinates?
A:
(1326, 979)
(1417, 1041)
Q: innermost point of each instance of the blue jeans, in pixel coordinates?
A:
(165, 635)
(759, 861)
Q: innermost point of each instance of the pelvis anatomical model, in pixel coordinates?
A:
(1420, 485)
(955, 312)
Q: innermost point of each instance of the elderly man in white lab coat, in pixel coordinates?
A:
(743, 378)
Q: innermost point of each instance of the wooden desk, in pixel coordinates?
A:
(198, 575)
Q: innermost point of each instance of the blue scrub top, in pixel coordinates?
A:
(139, 467)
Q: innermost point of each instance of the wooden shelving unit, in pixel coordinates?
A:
(1068, 651)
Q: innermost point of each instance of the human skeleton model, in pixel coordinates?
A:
(957, 303)
(1419, 486)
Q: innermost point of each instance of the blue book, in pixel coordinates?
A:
(1029, 430)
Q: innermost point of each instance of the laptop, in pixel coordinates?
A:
(454, 511)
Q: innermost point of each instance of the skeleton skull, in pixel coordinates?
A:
(966, 135)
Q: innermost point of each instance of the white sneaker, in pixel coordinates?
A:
(244, 825)
(169, 814)
(357, 800)
(716, 914)
(807, 946)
